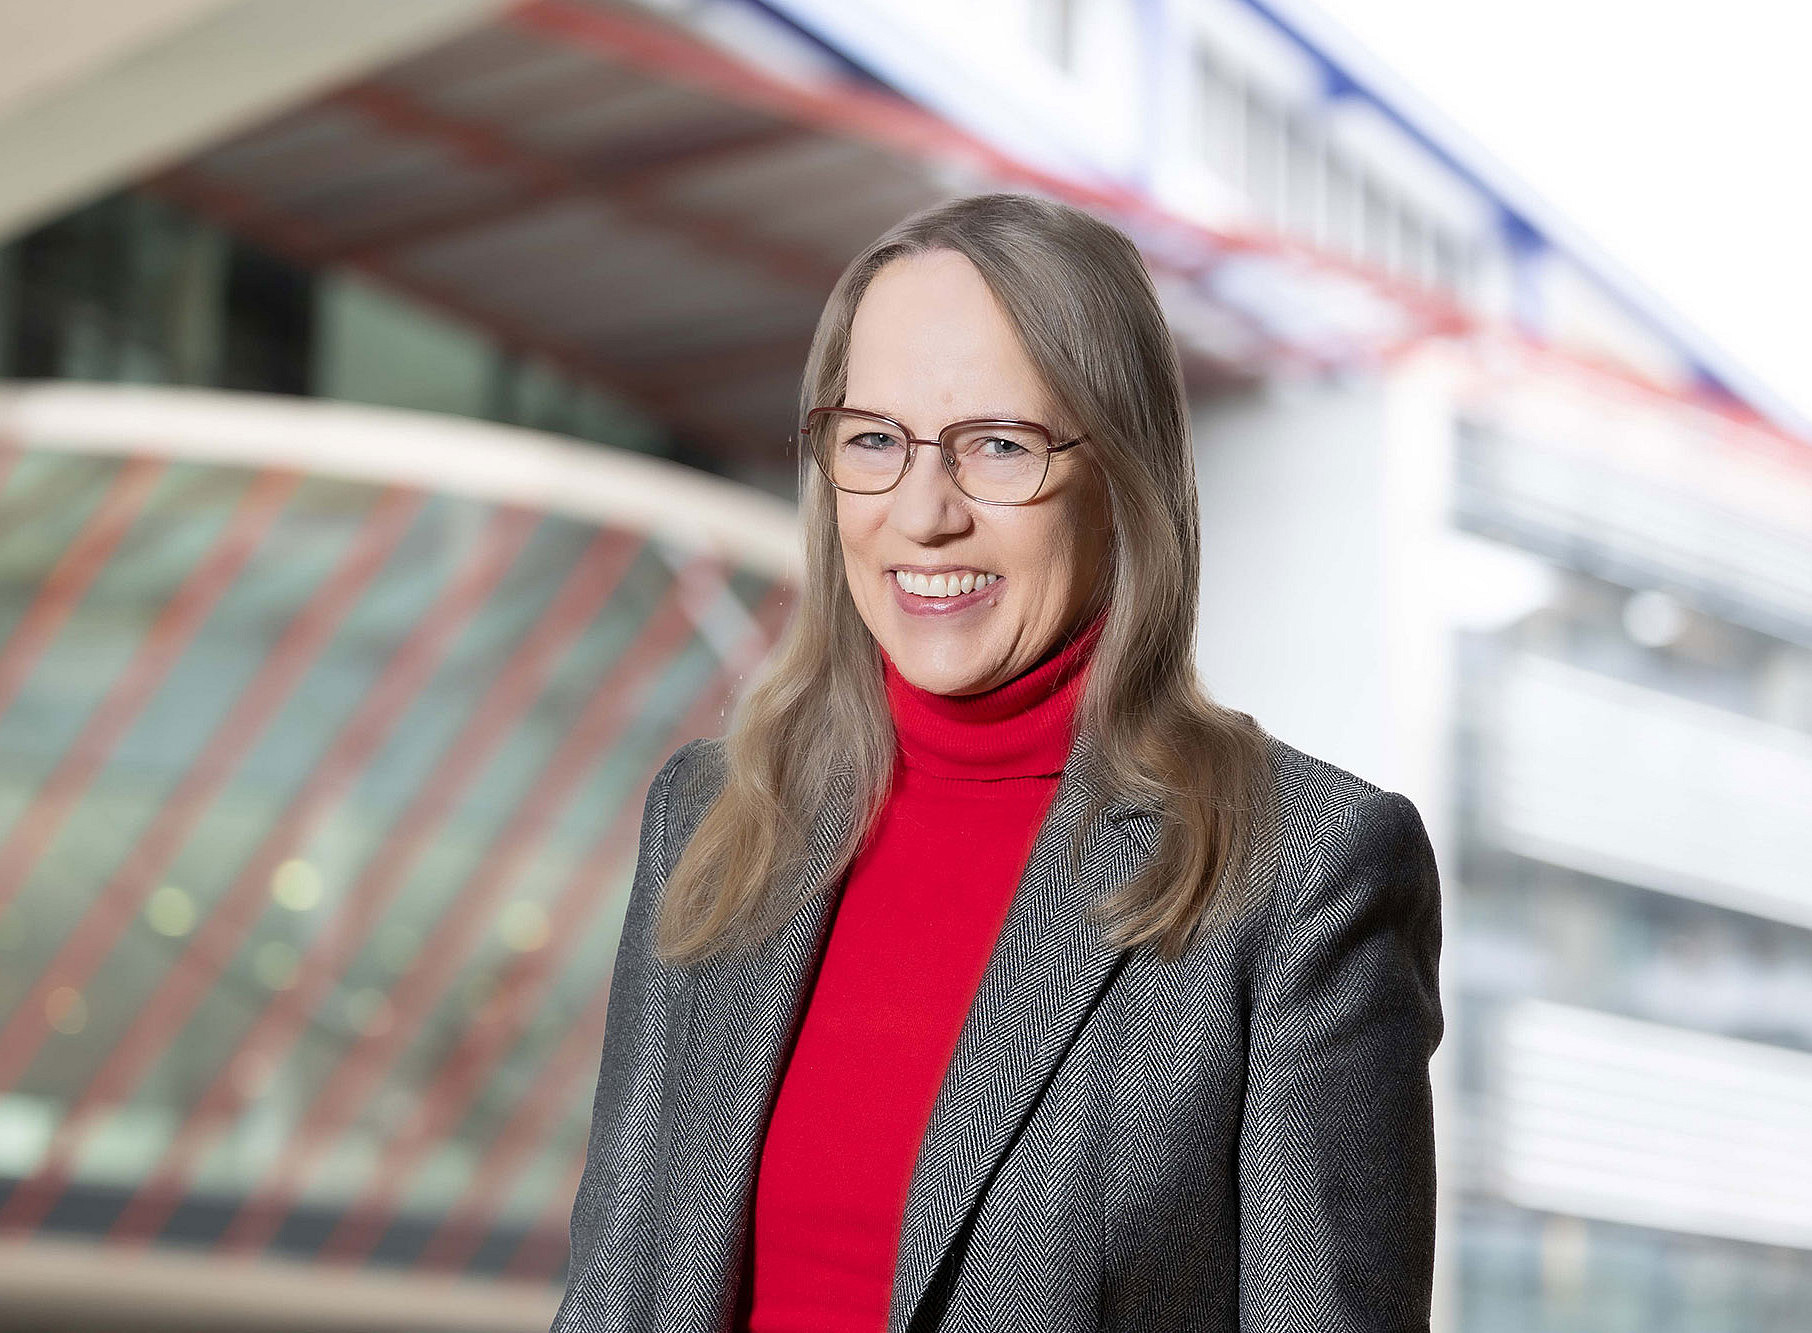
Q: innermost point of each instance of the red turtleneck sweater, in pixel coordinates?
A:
(916, 924)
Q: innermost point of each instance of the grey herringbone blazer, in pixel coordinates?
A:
(1238, 1139)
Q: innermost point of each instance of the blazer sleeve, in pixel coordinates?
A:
(1336, 1156)
(625, 1111)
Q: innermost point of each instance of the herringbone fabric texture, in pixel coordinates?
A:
(1241, 1138)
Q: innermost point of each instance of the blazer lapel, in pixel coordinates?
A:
(1049, 967)
(746, 1008)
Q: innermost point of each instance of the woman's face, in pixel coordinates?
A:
(929, 346)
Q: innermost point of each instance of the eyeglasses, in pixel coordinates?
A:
(993, 461)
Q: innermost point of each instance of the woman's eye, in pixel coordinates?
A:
(872, 440)
(1011, 445)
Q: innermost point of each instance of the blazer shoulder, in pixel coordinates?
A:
(695, 775)
(1316, 803)
(1313, 789)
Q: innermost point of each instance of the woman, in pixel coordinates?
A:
(987, 975)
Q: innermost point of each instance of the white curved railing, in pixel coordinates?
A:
(456, 455)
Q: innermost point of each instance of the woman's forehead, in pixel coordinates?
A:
(929, 344)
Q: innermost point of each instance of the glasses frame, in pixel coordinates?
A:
(943, 448)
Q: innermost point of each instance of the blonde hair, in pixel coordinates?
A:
(1077, 292)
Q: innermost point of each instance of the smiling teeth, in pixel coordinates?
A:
(942, 585)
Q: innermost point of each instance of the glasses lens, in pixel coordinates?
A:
(858, 453)
(1000, 462)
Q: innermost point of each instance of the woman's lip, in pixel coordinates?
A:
(928, 571)
(914, 605)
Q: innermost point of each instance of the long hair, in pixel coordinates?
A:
(1077, 293)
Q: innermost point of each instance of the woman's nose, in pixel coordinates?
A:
(922, 501)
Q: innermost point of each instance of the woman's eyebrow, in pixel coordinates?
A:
(905, 419)
(1000, 415)
(1003, 414)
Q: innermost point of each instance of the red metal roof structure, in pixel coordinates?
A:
(664, 218)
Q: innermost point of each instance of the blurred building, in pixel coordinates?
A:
(395, 466)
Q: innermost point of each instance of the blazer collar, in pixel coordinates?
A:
(1049, 965)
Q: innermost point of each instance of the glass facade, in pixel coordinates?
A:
(1527, 1271)
(319, 796)
(318, 806)
(131, 289)
(1299, 180)
(1630, 954)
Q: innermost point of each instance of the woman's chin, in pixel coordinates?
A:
(940, 673)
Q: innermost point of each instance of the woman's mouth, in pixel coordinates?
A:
(919, 595)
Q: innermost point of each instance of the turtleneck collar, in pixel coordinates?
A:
(1017, 730)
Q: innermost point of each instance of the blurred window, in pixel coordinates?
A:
(1220, 117)
(1053, 24)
